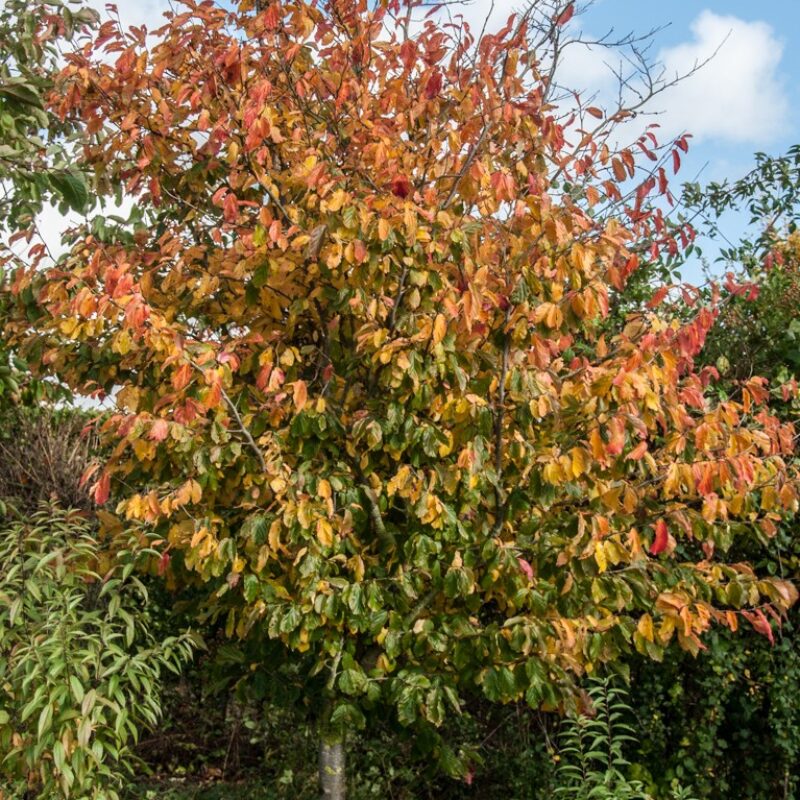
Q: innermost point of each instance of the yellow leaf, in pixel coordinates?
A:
(399, 481)
(274, 536)
(552, 473)
(337, 200)
(446, 448)
(645, 627)
(356, 564)
(439, 328)
(579, 462)
(600, 556)
(196, 491)
(122, 343)
(324, 532)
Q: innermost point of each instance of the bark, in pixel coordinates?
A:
(332, 779)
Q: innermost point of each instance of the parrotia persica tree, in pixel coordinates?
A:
(361, 393)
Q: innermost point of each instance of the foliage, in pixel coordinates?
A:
(769, 194)
(759, 332)
(725, 724)
(364, 399)
(35, 158)
(80, 670)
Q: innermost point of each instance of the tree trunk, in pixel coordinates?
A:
(332, 779)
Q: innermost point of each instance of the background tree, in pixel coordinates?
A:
(364, 398)
(727, 722)
(35, 163)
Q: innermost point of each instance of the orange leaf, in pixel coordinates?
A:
(300, 395)
(102, 489)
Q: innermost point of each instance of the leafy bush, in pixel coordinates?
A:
(727, 723)
(593, 766)
(79, 669)
(593, 762)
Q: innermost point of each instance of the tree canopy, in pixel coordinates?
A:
(364, 394)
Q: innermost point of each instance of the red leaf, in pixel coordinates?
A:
(159, 430)
(401, 186)
(663, 183)
(408, 53)
(181, 377)
(676, 161)
(525, 567)
(760, 623)
(662, 538)
(163, 563)
(434, 85)
(272, 17)
(658, 296)
(566, 15)
(90, 470)
(102, 489)
(638, 452)
(230, 208)
(359, 251)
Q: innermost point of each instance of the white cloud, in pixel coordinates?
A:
(495, 13)
(589, 70)
(739, 95)
(137, 12)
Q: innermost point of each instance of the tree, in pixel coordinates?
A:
(363, 396)
(34, 153)
(34, 164)
(730, 721)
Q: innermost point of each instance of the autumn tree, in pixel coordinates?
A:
(363, 396)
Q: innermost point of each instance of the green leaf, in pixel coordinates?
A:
(352, 681)
(22, 92)
(346, 714)
(499, 684)
(72, 188)
(77, 688)
(45, 718)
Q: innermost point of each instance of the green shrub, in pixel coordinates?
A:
(79, 669)
(593, 763)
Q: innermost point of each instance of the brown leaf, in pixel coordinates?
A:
(315, 242)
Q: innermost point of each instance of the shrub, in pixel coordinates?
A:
(43, 453)
(79, 669)
(593, 761)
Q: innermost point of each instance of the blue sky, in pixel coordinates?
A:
(745, 100)
(726, 157)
